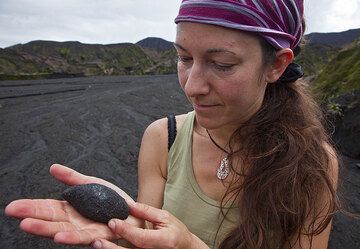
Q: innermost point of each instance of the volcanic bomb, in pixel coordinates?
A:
(97, 202)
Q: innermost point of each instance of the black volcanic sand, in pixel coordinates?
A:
(94, 125)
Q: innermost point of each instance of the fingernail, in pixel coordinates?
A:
(112, 224)
(96, 244)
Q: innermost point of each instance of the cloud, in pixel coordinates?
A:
(332, 16)
(116, 21)
(107, 21)
(345, 15)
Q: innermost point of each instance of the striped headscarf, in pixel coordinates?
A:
(278, 21)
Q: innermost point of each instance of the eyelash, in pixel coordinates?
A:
(183, 59)
(223, 67)
(220, 67)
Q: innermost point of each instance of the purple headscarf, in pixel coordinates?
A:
(278, 21)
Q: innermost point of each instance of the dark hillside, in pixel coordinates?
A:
(335, 39)
(45, 58)
(314, 57)
(162, 52)
(155, 43)
(341, 74)
(321, 48)
(337, 88)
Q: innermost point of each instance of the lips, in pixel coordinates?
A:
(204, 107)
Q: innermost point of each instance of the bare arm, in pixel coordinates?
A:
(152, 164)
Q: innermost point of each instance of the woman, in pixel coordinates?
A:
(251, 166)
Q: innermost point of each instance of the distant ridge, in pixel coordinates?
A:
(155, 43)
(152, 55)
(335, 39)
(320, 48)
(46, 59)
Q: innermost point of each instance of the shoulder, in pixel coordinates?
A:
(158, 130)
(154, 144)
(152, 162)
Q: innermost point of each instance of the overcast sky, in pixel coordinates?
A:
(116, 21)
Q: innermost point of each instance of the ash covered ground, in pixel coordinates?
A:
(95, 125)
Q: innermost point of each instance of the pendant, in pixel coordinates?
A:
(223, 170)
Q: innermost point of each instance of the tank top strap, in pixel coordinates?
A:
(183, 137)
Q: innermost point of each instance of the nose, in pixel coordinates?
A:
(196, 81)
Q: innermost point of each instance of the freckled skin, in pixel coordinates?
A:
(221, 73)
(97, 202)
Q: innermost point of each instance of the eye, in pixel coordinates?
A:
(184, 59)
(223, 66)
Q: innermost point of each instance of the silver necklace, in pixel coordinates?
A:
(224, 168)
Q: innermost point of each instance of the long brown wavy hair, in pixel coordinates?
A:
(286, 188)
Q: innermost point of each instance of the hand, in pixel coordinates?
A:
(58, 219)
(168, 232)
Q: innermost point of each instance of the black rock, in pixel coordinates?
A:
(97, 202)
(347, 124)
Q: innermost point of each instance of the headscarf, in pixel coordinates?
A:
(280, 22)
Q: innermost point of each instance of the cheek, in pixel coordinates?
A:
(233, 88)
(242, 93)
(182, 76)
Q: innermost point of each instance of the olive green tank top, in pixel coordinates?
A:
(184, 198)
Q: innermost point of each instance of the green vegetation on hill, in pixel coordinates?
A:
(43, 59)
(341, 74)
(161, 51)
(314, 57)
(166, 61)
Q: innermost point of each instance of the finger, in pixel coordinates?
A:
(50, 210)
(149, 213)
(67, 175)
(44, 228)
(63, 232)
(72, 177)
(142, 238)
(104, 244)
(82, 237)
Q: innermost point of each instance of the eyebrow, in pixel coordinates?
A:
(210, 51)
(179, 46)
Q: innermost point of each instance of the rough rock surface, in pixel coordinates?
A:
(97, 202)
(346, 119)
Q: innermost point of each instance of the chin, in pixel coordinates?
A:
(207, 122)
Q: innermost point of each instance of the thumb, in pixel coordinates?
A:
(148, 213)
(139, 237)
(104, 244)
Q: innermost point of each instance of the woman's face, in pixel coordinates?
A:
(221, 72)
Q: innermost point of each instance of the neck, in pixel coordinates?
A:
(221, 135)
